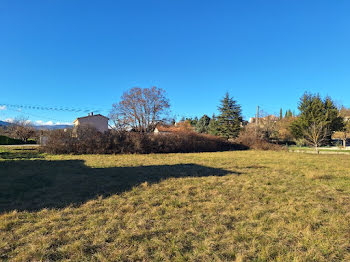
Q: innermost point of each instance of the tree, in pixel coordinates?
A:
(333, 117)
(316, 134)
(230, 118)
(22, 129)
(267, 127)
(191, 120)
(140, 109)
(345, 114)
(316, 113)
(345, 131)
(281, 113)
(288, 114)
(283, 129)
(203, 124)
(213, 127)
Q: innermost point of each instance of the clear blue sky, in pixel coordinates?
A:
(84, 54)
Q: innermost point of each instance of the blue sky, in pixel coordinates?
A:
(84, 54)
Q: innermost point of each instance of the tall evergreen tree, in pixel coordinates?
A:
(230, 118)
(281, 114)
(290, 114)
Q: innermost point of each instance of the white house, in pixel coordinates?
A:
(98, 121)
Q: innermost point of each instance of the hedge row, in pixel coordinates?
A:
(5, 140)
(89, 141)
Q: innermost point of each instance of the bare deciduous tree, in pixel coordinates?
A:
(22, 129)
(316, 134)
(140, 109)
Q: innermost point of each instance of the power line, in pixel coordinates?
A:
(53, 108)
(41, 117)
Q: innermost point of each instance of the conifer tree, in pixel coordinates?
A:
(213, 127)
(230, 118)
(315, 112)
(202, 125)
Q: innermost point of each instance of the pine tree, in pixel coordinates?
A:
(281, 114)
(230, 118)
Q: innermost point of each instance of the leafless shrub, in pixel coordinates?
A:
(90, 141)
(255, 139)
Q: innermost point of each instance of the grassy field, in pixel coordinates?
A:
(225, 206)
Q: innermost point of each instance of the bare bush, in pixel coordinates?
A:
(90, 141)
(255, 139)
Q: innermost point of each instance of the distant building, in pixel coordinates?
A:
(165, 130)
(178, 127)
(269, 118)
(98, 121)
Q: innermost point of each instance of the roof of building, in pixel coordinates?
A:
(167, 129)
(180, 127)
(89, 116)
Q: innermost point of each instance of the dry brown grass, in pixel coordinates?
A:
(226, 206)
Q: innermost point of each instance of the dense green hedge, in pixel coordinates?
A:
(5, 140)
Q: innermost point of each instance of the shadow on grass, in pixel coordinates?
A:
(20, 154)
(35, 184)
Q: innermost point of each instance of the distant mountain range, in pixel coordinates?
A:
(52, 127)
(41, 127)
(2, 123)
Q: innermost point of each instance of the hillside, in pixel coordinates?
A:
(243, 206)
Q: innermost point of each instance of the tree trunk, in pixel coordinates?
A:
(316, 148)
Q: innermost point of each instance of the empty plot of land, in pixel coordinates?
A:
(225, 206)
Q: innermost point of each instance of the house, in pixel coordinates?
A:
(265, 119)
(98, 121)
(163, 130)
(178, 127)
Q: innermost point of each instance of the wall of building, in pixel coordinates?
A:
(98, 122)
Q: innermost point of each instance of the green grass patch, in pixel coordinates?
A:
(225, 206)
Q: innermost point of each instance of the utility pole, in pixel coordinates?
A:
(257, 121)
